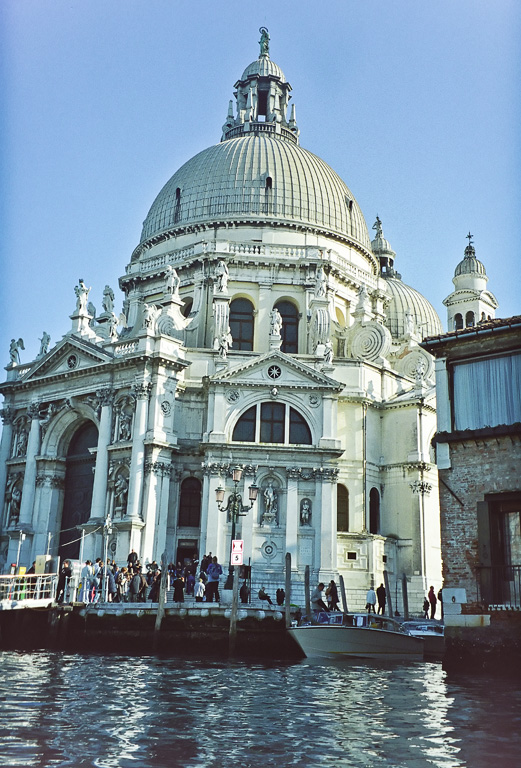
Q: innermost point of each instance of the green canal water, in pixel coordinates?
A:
(118, 711)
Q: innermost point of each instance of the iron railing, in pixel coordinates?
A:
(28, 587)
(499, 585)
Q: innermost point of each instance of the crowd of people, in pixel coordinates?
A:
(136, 583)
(200, 580)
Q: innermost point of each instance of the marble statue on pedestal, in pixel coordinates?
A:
(14, 355)
(221, 275)
(82, 296)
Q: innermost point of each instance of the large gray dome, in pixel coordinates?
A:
(405, 298)
(257, 177)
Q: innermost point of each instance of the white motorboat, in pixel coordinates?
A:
(432, 633)
(357, 635)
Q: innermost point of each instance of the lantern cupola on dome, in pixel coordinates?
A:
(262, 98)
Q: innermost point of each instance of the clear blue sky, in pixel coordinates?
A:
(414, 104)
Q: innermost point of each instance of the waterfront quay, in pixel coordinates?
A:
(35, 621)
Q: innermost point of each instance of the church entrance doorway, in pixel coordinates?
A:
(186, 548)
(79, 480)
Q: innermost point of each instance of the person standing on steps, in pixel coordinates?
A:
(381, 595)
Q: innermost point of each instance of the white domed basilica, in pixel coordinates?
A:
(262, 329)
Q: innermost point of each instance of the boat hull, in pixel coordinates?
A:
(333, 642)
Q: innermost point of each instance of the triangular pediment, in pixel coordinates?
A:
(70, 354)
(278, 370)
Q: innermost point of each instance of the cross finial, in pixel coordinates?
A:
(469, 238)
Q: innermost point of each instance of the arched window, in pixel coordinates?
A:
(469, 319)
(177, 208)
(187, 306)
(374, 511)
(458, 321)
(342, 509)
(190, 503)
(241, 324)
(289, 333)
(272, 423)
(299, 432)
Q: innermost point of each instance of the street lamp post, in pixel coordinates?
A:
(235, 509)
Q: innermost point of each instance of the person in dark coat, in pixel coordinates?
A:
(111, 585)
(179, 590)
(280, 596)
(134, 587)
(63, 580)
(154, 589)
(143, 590)
(332, 596)
(381, 597)
(432, 601)
(244, 593)
(132, 560)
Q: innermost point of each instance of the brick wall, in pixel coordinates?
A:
(478, 467)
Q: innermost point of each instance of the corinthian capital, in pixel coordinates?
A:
(105, 396)
(7, 414)
(141, 390)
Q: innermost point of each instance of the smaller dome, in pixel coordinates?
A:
(406, 300)
(470, 265)
(263, 67)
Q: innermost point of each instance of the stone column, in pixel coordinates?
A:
(328, 544)
(29, 486)
(7, 415)
(155, 509)
(292, 515)
(212, 519)
(99, 490)
(137, 460)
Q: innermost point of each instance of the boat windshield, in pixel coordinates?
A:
(363, 620)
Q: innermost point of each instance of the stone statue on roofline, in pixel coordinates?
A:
(44, 345)
(82, 296)
(14, 355)
(108, 299)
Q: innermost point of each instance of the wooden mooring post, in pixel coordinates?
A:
(161, 599)
(307, 590)
(405, 597)
(288, 589)
(343, 593)
(388, 592)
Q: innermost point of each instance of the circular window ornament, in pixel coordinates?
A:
(166, 407)
(269, 550)
(274, 372)
(72, 361)
(232, 396)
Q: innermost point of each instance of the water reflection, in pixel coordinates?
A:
(119, 711)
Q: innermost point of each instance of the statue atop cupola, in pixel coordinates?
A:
(383, 252)
(262, 100)
(264, 42)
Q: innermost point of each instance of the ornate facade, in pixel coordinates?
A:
(262, 328)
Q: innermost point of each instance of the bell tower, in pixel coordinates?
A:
(470, 303)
